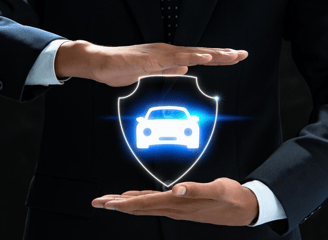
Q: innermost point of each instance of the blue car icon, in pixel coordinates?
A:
(167, 125)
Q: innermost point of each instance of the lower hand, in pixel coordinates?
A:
(121, 66)
(222, 202)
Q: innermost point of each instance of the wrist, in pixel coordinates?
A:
(73, 59)
(251, 206)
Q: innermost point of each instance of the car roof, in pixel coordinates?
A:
(168, 107)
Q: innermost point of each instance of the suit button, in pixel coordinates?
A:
(318, 208)
(304, 220)
(307, 217)
(164, 188)
(1, 85)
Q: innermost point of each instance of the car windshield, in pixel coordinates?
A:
(167, 114)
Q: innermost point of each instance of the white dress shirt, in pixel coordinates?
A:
(43, 70)
(43, 73)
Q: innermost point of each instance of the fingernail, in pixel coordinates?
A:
(181, 191)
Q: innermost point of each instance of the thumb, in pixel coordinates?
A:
(197, 190)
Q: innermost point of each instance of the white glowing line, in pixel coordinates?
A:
(216, 114)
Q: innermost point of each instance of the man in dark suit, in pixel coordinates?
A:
(75, 167)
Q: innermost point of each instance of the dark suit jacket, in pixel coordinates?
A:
(82, 157)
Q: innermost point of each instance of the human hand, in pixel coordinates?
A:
(122, 66)
(221, 202)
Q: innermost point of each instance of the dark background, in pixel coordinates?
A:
(21, 129)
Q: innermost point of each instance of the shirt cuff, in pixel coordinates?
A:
(43, 70)
(270, 209)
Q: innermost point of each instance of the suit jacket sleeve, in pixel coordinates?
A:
(297, 171)
(20, 46)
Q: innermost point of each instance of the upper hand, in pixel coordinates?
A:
(121, 66)
(222, 202)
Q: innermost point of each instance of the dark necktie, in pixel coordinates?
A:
(170, 14)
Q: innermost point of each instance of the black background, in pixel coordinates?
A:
(20, 134)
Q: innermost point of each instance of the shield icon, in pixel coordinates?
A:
(167, 123)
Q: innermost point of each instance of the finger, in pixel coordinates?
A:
(110, 196)
(137, 193)
(169, 62)
(218, 52)
(178, 59)
(190, 59)
(229, 56)
(212, 190)
(220, 64)
(242, 54)
(224, 57)
(100, 202)
(201, 50)
(143, 202)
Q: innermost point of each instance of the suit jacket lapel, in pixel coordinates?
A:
(147, 14)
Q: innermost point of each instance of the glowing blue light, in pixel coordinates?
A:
(147, 132)
(206, 144)
(188, 132)
(168, 122)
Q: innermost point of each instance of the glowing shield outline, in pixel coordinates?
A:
(216, 99)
